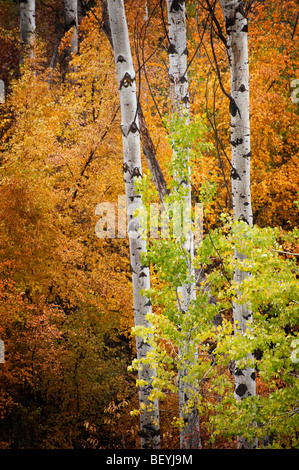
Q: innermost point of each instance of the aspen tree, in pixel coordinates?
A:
(237, 50)
(149, 418)
(71, 21)
(179, 96)
(70, 8)
(146, 140)
(27, 28)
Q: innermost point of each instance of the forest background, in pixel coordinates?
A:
(65, 294)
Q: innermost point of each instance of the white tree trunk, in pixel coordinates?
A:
(179, 96)
(71, 21)
(237, 48)
(27, 28)
(145, 11)
(149, 419)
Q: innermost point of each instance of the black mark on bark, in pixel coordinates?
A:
(229, 22)
(241, 390)
(121, 59)
(133, 128)
(136, 172)
(236, 142)
(132, 269)
(242, 218)
(172, 49)
(176, 5)
(233, 108)
(126, 81)
(234, 174)
(142, 275)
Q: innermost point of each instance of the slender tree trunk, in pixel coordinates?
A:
(59, 32)
(179, 96)
(237, 49)
(145, 11)
(71, 24)
(71, 21)
(27, 28)
(149, 419)
(147, 143)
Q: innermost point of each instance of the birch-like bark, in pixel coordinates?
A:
(146, 141)
(149, 418)
(179, 96)
(71, 22)
(27, 28)
(237, 49)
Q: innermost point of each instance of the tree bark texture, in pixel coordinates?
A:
(237, 49)
(149, 419)
(27, 28)
(179, 97)
(71, 21)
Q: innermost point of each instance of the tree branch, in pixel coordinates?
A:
(151, 158)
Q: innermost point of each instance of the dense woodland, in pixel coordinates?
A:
(73, 375)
